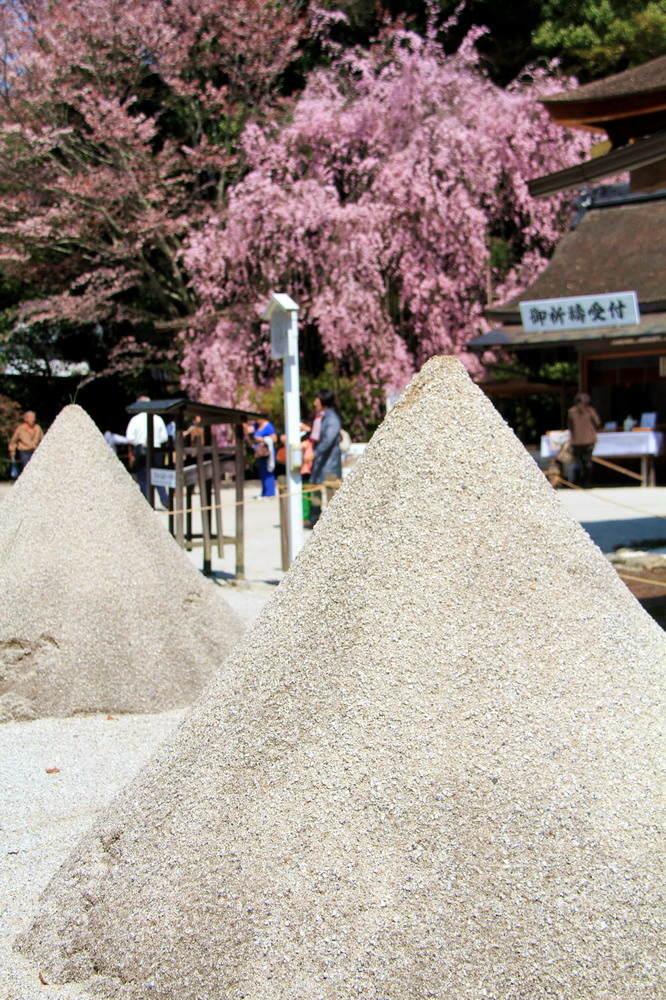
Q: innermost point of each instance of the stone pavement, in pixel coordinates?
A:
(630, 516)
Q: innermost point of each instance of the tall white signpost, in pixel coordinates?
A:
(282, 314)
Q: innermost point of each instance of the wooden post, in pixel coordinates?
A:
(150, 447)
(217, 495)
(205, 514)
(189, 503)
(283, 490)
(180, 481)
(170, 464)
(239, 467)
(648, 471)
(282, 314)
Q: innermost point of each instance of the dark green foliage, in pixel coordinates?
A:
(10, 414)
(357, 417)
(591, 38)
(596, 38)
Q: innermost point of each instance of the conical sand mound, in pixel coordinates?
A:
(429, 770)
(101, 610)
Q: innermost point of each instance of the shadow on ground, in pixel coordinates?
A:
(656, 608)
(631, 533)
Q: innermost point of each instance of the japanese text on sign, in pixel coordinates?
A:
(581, 312)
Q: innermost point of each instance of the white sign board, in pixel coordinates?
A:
(580, 312)
(163, 477)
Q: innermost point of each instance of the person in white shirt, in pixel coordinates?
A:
(137, 439)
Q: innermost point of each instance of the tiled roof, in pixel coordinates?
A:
(614, 249)
(650, 76)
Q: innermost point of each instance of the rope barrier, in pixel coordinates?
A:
(617, 468)
(320, 487)
(335, 484)
(640, 579)
(314, 488)
(618, 503)
(306, 489)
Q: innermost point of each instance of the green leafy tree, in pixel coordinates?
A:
(591, 38)
(359, 418)
(599, 37)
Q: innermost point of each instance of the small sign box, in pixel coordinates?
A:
(163, 477)
(279, 313)
(580, 312)
(280, 336)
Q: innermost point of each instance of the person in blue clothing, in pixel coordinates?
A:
(325, 436)
(263, 439)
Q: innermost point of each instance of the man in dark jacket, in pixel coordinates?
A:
(325, 436)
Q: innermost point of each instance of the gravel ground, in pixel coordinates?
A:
(44, 811)
(428, 770)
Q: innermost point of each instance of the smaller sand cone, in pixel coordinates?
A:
(101, 609)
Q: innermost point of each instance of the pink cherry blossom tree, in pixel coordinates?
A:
(119, 125)
(149, 182)
(384, 208)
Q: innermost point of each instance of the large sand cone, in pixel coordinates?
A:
(100, 608)
(428, 771)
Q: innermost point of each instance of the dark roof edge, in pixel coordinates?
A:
(612, 195)
(211, 414)
(642, 153)
(513, 336)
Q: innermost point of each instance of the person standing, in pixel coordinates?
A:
(263, 438)
(26, 438)
(307, 452)
(195, 432)
(583, 422)
(137, 439)
(325, 436)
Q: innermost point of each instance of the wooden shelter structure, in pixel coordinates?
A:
(199, 467)
(617, 244)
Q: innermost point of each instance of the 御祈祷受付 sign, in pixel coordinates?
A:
(580, 312)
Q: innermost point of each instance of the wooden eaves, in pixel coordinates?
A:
(630, 107)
